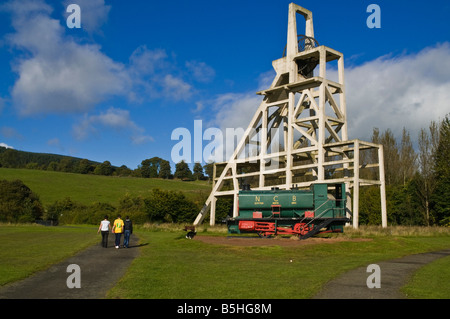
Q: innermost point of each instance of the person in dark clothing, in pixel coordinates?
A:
(128, 230)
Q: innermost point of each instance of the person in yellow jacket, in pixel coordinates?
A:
(118, 229)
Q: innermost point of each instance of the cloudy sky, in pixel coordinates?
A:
(116, 88)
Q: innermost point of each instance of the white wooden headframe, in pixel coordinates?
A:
(309, 112)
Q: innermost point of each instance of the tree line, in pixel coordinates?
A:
(154, 167)
(417, 181)
(19, 204)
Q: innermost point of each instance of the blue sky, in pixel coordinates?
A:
(117, 88)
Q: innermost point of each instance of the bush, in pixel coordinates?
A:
(97, 211)
(159, 206)
(134, 207)
(70, 212)
(18, 203)
(65, 211)
(170, 206)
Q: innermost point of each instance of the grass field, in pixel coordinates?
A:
(86, 189)
(170, 266)
(30, 248)
(431, 281)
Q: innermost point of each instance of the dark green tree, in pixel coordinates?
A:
(209, 170)
(123, 171)
(426, 184)
(391, 158)
(408, 158)
(66, 165)
(146, 170)
(10, 158)
(182, 171)
(52, 166)
(198, 171)
(84, 167)
(18, 203)
(104, 168)
(134, 207)
(170, 206)
(165, 170)
(151, 168)
(441, 195)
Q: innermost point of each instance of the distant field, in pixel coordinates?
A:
(86, 189)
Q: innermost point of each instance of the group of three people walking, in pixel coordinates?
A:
(119, 227)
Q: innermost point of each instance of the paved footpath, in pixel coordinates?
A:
(100, 269)
(394, 275)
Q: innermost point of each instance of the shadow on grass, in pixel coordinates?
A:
(138, 245)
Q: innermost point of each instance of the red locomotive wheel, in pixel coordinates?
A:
(264, 234)
(302, 228)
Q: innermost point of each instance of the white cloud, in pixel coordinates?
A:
(94, 13)
(10, 132)
(113, 118)
(144, 61)
(233, 114)
(55, 142)
(401, 91)
(235, 110)
(176, 88)
(200, 71)
(154, 76)
(74, 82)
(390, 92)
(199, 106)
(6, 145)
(58, 75)
(141, 139)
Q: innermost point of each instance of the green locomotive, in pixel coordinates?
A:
(298, 212)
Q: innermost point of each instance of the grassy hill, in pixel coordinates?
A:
(86, 189)
(19, 159)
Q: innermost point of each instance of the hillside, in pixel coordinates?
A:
(86, 188)
(19, 159)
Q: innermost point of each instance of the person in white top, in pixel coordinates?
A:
(105, 227)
